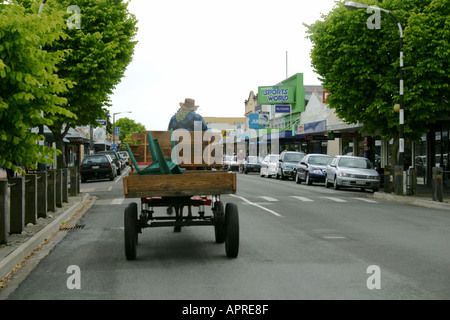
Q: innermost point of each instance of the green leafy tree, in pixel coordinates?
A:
(28, 84)
(128, 126)
(360, 66)
(101, 49)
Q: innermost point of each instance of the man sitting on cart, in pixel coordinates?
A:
(186, 117)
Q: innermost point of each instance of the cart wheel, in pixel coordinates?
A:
(232, 230)
(219, 226)
(131, 234)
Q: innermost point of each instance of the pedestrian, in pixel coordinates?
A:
(240, 160)
(186, 117)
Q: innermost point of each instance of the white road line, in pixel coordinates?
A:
(257, 205)
(367, 200)
(335, 199)
(117, 201)
(268, 198)
(302, 199)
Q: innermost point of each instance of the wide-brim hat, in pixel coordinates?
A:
(189, 104)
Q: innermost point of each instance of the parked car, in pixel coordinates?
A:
(120, 165)
(287, 164)
(97, 166)
(125, 156)
(312, 168)
(230, 163)
(269, 165)
(350, 171)
(252, 164)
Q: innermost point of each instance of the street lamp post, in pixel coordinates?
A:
(401, 156)
(114, 124)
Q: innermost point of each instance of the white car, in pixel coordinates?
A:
(269, 165)
(125, 156)
(230, 163)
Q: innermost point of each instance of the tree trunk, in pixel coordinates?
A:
(394, 150)
(58, 135)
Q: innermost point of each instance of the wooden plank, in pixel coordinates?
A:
(189, 183)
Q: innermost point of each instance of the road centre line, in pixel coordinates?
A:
(366, 200)
(302, 199)
(335, 199)
(268, 198)
(257, 205)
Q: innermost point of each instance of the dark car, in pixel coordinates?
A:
(287, 164)
(97, 166)
(120, 165)
(252, 164)
(312, 168)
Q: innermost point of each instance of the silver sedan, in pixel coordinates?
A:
(349, 171)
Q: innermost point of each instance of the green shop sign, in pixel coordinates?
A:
(276, 94)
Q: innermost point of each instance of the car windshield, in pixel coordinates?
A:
(112, 155)
(294, 157)
(321, 160)
(274, 158)
(253, 159)
(94, 159)
(355, 163)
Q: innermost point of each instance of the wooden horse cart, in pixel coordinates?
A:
(164, 183)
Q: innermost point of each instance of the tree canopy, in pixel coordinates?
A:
(360, 66)
(101, 49)
(28, 84)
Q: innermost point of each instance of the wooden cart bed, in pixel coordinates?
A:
(189, 183)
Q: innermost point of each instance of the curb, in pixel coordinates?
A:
(412, 200)
(8, 263)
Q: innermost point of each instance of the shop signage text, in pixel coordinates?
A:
(276, 94)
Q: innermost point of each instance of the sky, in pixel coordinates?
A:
(215, 52)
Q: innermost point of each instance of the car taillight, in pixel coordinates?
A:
(81, 168)
(109, 165)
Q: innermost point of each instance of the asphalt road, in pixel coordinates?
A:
(296, 242)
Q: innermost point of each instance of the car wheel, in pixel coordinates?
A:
(336, 186)
(327, 184)
(297, 179)
(308, 179)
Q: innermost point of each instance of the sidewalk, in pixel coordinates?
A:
(423, 198)
(21, 247)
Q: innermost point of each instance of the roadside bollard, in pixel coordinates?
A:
(398, 180)
(51, 190)
(437, 183)
(17, 210)
(65, 184)
(59, 187)
(42, 194)
(30, 199)
(4, 211)
(73, 190)
(387, 180)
